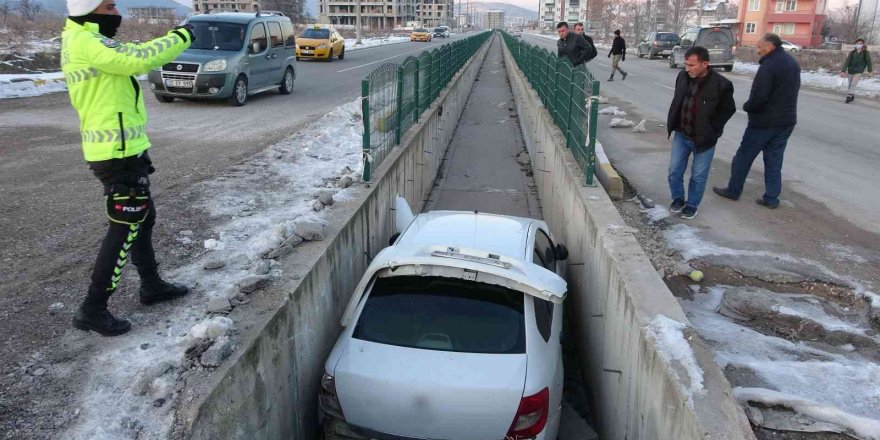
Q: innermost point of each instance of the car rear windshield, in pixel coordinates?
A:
(217, 36)
(715, 38)
(318, 34)
(420, 30)
(667, 37)
(444, 314)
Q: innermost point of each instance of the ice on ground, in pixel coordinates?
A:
(656, 213)
(374, 41)
(274, 187)
(822, 79)
(863, 427)
(31, 84)
(807, 370)
(621, 123)
(211, 328)
(612, 110)
(673, 347)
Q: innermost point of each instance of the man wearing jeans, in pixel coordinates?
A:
(772, 109)
(702, 104)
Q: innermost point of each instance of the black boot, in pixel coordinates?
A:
(154, 289)
(850, 98)
(93, 315)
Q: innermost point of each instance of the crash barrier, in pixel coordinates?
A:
(570, 94)
(394, 96)
(647, 373)
(268, 388)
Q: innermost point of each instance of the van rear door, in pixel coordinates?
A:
(276, 53)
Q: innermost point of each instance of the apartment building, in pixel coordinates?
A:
(495, 19)
(554, 11)
(798, 21)
(152, 14)
(375, 14)
(434, 13)
(204, 6)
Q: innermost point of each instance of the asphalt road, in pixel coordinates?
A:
(830, 203)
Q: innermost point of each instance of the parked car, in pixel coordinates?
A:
(657, 43)
(234, 55)
(452, 333)
(791, 47)
(440, 32)
(420, 34)
(320, 43)
(717, 39)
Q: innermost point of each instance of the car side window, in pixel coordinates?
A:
(275, 34)
(543, 317)
(288, 34)
(258, 36)
(544, 248)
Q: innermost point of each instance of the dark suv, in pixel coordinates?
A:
(657, 43)
(718, 40)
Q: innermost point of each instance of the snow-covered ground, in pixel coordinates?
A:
(260, 206)
(821, 79)
(31, 84)
(373, 42)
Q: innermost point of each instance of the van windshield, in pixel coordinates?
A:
(218, 36)
(318, 34)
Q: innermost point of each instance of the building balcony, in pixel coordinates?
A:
(791, 17)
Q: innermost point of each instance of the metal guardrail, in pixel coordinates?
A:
(394, 96)
(570, 94)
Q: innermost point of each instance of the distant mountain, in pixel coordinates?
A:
(510, 11)
(60, 6)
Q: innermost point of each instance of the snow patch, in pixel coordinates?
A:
(822, 79)
(29, 85)
(656, 213)
(671, 344)
(373, 42)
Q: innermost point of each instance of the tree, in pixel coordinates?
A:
(28, 10)
(5, 9)
(844, 23)
(291, 8)
(639, 14)
(677, 14)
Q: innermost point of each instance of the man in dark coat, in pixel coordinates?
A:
(571, 45)
(702, 104)
(617, 54)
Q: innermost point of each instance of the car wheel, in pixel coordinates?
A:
(342, 54)
(297, 58)
(639, 52)
(651, 55)
(164, 98)
(287, 82)
(330, 55)
(728, 68)
(239, 92)
(672, 64)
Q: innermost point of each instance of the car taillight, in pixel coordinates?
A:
(733, 50)
(328, 398)
(656, 44)
(531, 417)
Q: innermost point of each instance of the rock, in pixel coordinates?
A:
(310, 231)
(344, 182)
(253, 283)
(145, 346)
(219, 305)
(39, 372)
(214, 264)
(317, 206)
(284, 230)
(523, 158)
(326, 197)
(143, 384)
(621, 123)
(56, 307)
(217, 352)
(158, 403)
(214, 245)
(240, 261)
(263, 267)
(211, 328)
(282, 251)
(640, 127)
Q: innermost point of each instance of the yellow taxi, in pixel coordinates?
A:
(320, 43)
(420, 34)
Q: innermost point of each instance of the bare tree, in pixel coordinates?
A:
(678, 13)
(5, 9)
(291, 8)
(639, 15)
(28, 10)
(844, 23)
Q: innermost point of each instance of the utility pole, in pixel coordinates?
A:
(358, 22)
(700, 13)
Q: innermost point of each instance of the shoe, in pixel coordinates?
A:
(764, 203)
(688, 212)
(624, 76)
(676, 205)
(158, 290)
(724, 192)
(850, 98)
(101, 321)
(611, 79)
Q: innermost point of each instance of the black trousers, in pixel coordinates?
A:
(122, 239)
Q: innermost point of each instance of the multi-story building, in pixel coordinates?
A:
(710, 12)
(375, 14)
(869, 19)
(152, 14)
(495, 19)
(798, 21)
(434, 13)
(554, 11)
(204, 6)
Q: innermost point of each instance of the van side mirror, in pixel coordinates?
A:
(255, 47)
(561, 252)
(393, 238)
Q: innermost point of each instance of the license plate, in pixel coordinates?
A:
(308, 52)
(179, 83)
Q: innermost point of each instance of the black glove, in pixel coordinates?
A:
(185, 29)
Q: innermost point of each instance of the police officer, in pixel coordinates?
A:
(101, 75)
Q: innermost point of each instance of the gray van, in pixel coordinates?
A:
(234, 55)
(718, 40)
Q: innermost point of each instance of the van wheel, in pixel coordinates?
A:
(342, 54)
(287, 82)
(672, 64)
(728, 68)
(164, 98)
(239, 92)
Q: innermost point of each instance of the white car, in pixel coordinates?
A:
(788, 46)
(452, 333)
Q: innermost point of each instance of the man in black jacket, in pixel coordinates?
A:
(571, 45)
(702, 104)
(617, 54)
(772, 109)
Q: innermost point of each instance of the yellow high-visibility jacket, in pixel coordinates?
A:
(101, 75)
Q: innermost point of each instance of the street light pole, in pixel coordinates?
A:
(358, 22)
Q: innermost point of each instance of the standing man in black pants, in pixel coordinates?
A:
(617, 54)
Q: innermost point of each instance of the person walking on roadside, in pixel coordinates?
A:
(572, 46)
(854, 67)
(101, 75)
(772, 110)
(617, 54)
(701, 106)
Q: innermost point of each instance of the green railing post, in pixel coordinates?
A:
(365, 109)
(591, 143)
(399, 115)
(418, 109)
